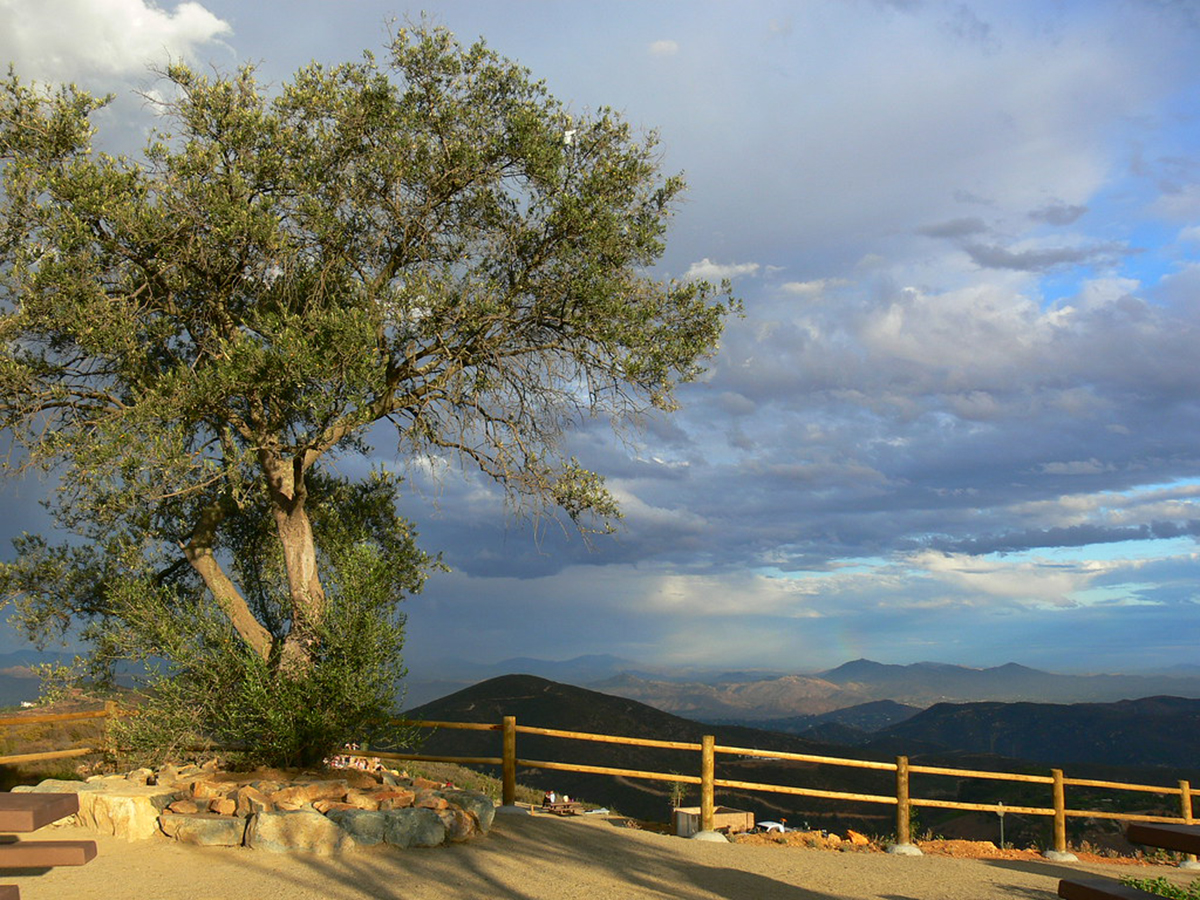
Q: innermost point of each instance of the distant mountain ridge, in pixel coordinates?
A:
(863, 681)
(1145, 741)
(539, 702)
(850, 725)
(1158, 731)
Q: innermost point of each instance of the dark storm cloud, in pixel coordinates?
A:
(955, 228)
(1073, 536)
(1058, 213)
(993, 256)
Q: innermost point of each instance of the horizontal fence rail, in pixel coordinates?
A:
(111, 711)
(708, 750)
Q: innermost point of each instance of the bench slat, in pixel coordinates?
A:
(29, 812)
(1101, 889)
(46, 854)
(1165, 835)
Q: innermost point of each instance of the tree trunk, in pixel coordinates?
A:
(288, 495)
(198, 551)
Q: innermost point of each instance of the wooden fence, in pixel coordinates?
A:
(708, 749)
(110, 711)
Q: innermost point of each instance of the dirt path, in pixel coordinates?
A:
(545, 858)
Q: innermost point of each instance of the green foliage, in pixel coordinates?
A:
(209, 687)
(1165, 888)
(188, 342)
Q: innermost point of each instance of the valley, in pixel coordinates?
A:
(927, 737)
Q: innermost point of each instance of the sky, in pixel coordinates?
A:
(959, 420)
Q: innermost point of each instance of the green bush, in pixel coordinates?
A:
(1165, 888)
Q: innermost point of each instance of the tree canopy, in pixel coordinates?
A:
(189, 340)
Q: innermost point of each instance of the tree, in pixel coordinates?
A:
(191, 340)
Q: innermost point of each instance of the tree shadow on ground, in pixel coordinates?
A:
(534, 858)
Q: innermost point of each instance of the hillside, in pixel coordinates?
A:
(536, 701)
(851, 725)
(760, 698)
(1153, 731)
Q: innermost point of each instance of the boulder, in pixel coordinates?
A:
(204, 830)
(413, 828)
(394, 798)
(479, 805)
(325, 806)
(362, 799)
(249, 800)
(184, 807)
(304, 830)
(355, 778)
(133, 816)
(298, 796)
(430, 800)
(207, 790)
(367, 827)
(132, 813)
(59, 786)
(460, 824)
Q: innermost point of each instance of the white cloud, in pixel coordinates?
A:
(664, 48)
(708, 270)
(74, 39)
(812, 288)
(644, 515)
(1035, 582)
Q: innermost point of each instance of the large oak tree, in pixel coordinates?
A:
(188, 339)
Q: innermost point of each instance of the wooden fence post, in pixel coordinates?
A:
(903, 807)
(1060, 812)
(707, 775)
(509, 756)
(1185, 809)
(110, 716)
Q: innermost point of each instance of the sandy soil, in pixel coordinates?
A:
(547, 858)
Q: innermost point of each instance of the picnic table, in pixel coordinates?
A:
(22, 813)
(570, 808)
(1184, 838)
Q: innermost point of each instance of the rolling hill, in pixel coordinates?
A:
(538, 702)
(1151, 731)
(930, 738)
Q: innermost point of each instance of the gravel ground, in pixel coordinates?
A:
(548, 858)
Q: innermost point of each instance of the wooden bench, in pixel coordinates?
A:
(1101, 889)
(563, 809)
(1184, 838)
(22, 813)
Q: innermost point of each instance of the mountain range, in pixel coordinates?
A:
(1145, 741)
(750, 697)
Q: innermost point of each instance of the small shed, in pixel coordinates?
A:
(725, 819)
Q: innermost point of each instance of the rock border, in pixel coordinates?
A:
(326, 813)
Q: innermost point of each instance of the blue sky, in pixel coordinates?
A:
(959, 420)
